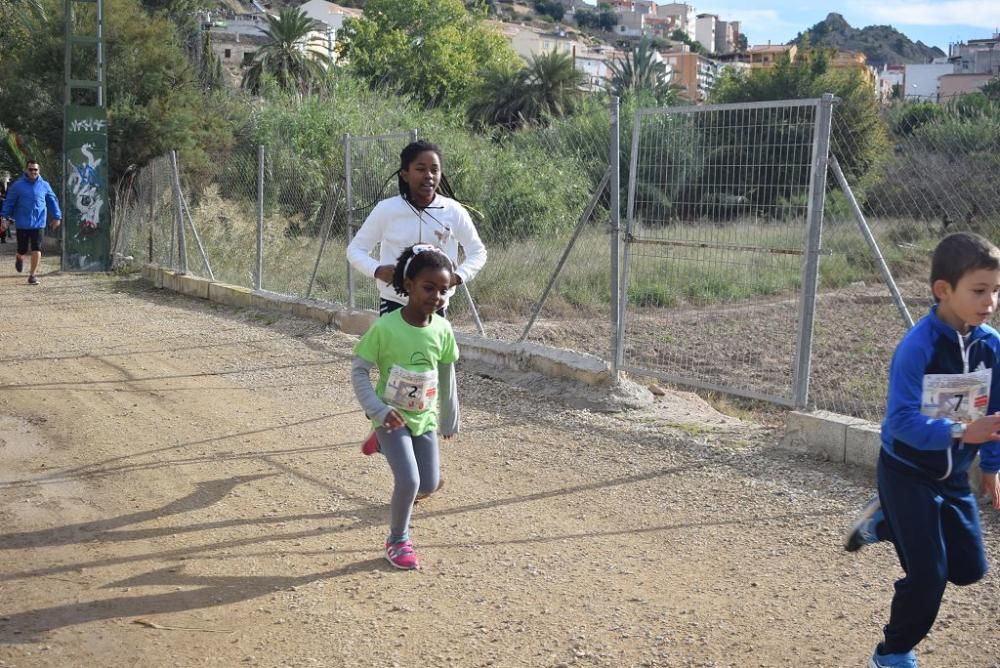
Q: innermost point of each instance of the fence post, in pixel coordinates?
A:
(626, 257)
(584, 219)
(866, 232)
(810, 267)
(182, 265)
(197, 239)
(614, 164)
(322, 244)
(258, 279)
(414, 135)
(152, 209)
(348, 195)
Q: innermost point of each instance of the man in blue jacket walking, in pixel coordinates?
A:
(30, 201)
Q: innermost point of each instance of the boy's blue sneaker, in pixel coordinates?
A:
(908, 660)
(864, 530)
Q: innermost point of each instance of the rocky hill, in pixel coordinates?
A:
(881, 44)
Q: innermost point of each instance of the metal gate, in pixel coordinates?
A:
(724, 217)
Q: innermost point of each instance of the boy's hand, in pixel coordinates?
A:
(393, 421)
(991, 488)
(447, 437)
(986, 428)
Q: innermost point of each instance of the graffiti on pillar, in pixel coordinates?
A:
(85, 192)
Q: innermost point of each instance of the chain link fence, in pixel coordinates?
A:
(267, 220)
(929, 171)
(717, 262)
(144, 218)
(721, 198)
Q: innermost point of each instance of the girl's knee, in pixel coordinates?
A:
(428, 484)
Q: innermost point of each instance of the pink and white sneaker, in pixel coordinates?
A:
(401, 555)
(370, 446)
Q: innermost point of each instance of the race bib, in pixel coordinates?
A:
(963, 397)
(411, 390)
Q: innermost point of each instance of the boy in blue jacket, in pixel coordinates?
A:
(944, 394)
(29, 202)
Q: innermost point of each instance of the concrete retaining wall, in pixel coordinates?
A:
(839, 438)
(526, 357)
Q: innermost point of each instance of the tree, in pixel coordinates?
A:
(555, 85)
(287, 56)
(607, 19)
(679, 35)
(154, 99)
(992, 88)
(859, 137)
(604, 19)
(499, 98)
(643, 70)
(510, 96)
(433, 50)
(16, 18)
(551, 8)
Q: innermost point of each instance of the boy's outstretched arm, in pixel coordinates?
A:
(448, 396)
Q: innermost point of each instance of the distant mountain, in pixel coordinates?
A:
(881, 44)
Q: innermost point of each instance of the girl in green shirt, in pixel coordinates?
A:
(413, 349)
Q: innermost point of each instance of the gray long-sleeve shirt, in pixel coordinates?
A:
(377, 409)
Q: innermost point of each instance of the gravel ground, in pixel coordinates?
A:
(181, 486)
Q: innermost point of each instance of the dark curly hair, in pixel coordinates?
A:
(411, 262)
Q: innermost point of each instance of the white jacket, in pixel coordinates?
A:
(396, 225)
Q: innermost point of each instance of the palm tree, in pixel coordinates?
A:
(499, 99)
(288, 55)
(555, 85)
(511, 96)
(643, 69)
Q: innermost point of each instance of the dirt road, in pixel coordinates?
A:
(181, 486)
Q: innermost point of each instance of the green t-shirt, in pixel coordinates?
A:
(393, 342)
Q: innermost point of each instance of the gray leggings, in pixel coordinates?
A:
(415, 463)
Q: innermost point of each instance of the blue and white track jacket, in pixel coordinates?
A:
(910, 432)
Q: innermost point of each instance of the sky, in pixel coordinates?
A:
(934, 22)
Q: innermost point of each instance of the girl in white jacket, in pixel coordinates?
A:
(419, 214)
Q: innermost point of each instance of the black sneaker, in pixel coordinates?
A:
(18, 265)
(865, 528)
(32, 280)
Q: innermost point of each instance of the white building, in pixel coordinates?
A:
(235, 41)
(594, 63)
(977, 56)
(920, 82)
(331, 17)
(631, 24)
(528, 42)
(685, 14)
(889, 77)
(726, 35)
(704, 31)
(647, 7)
